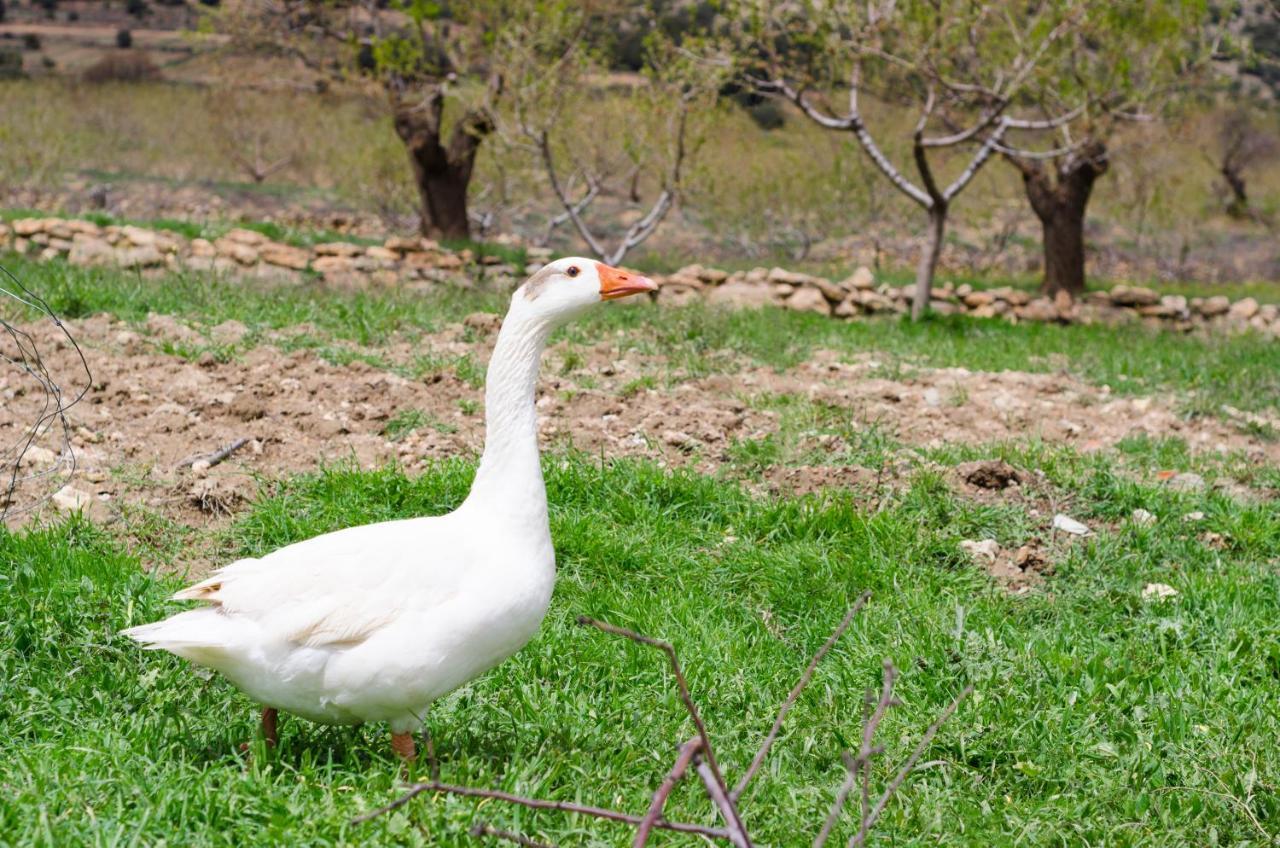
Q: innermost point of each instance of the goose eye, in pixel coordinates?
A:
(573, 271)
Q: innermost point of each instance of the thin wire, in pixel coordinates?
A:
(53, 405)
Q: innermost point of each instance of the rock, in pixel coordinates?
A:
(988, 474)
(229, 332)
(338, 248)
(1134, 296)
(1158, 592)
(932, 398)
(1186, 482)
(36, 455)
(680, 440)
(138, 236)
(1142, 518)
(1243, 309)
(984, 551)
(861, 278)
(284, 255)
(239, 235)
(1040, 309)
(1069, 525)
(170, 328)
(128, 340)
(245, 254)
(1191, 517)
(328, 265)
(1213, 306)
(382, 254)
(740, 295)
(88, 250)
(70, 499)
(973, 300)
(203, 247)
(808, 299)
(139, 257)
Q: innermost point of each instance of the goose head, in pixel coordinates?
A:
(565, 288)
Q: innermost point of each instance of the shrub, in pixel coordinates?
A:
(122, 67)
(11, 63)
(30, 41)
(137, 8)
(124, 39)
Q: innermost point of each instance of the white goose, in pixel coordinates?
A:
(374, 623)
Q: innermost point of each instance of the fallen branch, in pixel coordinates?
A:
(759, 758)
(480, 829)
(417, 789)
(697, 752)
(687, 752)
(214, 457)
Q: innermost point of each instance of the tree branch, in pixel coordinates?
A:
(790, 702)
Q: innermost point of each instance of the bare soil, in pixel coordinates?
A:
(148, 411)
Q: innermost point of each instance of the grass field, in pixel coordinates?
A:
(1099, 717)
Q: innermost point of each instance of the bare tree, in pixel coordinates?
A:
(1242, 144)
(960, 66)
(558, 105)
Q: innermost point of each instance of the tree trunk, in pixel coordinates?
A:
(1060, 202)
(442, 172)
(1239, 205)
(929, 260)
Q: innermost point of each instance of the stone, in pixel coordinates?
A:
(679, 440)
(239, 235)
(338, 248)
(1134, 296)
(1142, 518)
(89, 250)
(203, 247)
(138, 236)
(69, 499)
(244, 254)
(861, 278)
(740, 295)
(808, 299)
(1213, 306)
(1067, 524)
(328, 265)
(139, 257)
(284, 255)
(1243, 309)
(383, 254)
(1040, 309)
(847, 308)
(983, 551)
(1186, 481)
(1158, 592)
(973, 300)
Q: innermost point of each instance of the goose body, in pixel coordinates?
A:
(374, 623)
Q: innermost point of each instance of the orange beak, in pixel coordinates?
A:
(616, 283)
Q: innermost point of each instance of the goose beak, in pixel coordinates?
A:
(616, 283)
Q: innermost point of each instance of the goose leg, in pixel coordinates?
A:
(402, 744)
(269, 716)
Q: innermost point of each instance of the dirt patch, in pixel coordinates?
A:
(147, 411)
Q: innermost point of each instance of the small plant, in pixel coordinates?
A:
(468, 406)
(124, 39)
(638, 385)
(121, 67)
(403, 423)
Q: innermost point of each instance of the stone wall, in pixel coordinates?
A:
(422, 262)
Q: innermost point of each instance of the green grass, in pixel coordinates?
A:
(1203, 371)
(1098, 718)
